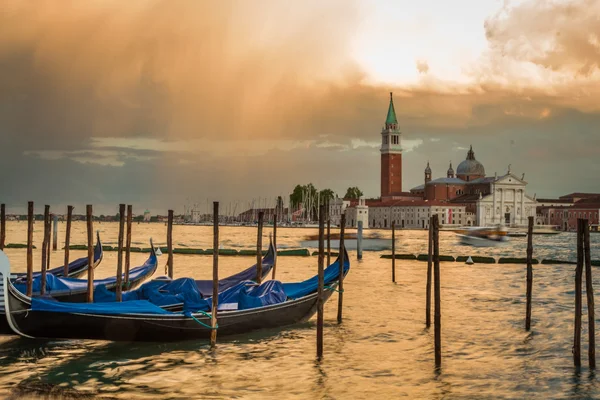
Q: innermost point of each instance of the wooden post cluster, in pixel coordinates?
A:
(320, 283)
(342, 258)
(394, 251)
(261, 216)
(529, 273)
(274, 244)
(170, 244)
(67, 240)
(437, 293)
(429, 272)
(584, 259)
(128, 244)
(2, 226)
(215, 296)
(30, 217)
(90, 249)
(45, 247)
(120, 252)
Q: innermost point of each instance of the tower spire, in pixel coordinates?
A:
(391, 114)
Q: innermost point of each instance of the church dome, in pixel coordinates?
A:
(470, 166)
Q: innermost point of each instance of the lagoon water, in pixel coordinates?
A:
(381, 350)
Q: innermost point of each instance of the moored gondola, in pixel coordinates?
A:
(143, 321)
(76, 268)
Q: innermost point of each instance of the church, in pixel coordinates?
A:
(465, 198)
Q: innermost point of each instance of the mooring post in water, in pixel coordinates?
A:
(120, 252)
(320, 283)
(359, 237)
(274, 244)
(30, 217)
(2, 226)
(128, 244)
(45, 245)
(67, 241)
(342, 254)
(55, 232)
(170, 244)
(589, 290)
(394, 251)
(48, 248)
(429, 270)
(529, 273)
(578, 278)
(215, 297)
(261, 215)
(90, 250)
(437, 294)
(328, 240)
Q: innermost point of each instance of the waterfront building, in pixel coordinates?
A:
(147, 216)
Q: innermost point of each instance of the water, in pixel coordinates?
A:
(382, 349)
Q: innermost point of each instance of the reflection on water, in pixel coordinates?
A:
(382, 349)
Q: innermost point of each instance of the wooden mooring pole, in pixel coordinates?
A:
(328, 240)
(429, 272)
(578, 279)
(437, 293)
(128, 244)
(359, 238)
(589, 290)
(120, 252)
(170, 244)
(2, 226)
(529, 273)
(261, 216)
(67, 241)
(320, 283)
(54, 232)
(342, 259)
(90, 250)
(274, 244)
(394, 251)
(45, 246)
(215, 297)
(30, 217)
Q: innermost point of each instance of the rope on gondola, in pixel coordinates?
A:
(332, 288)
(200, 322)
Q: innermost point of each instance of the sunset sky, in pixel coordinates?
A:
(162, 103)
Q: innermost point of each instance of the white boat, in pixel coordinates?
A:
(483, 237)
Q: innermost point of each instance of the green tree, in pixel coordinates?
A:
(353, 193)
(326, 195)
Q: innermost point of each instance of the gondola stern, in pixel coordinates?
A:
(8, 289)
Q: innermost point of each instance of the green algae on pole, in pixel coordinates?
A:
(529, 273)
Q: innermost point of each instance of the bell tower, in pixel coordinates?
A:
(391, 155)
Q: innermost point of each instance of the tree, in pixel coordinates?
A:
(326, 195)
(353, 193)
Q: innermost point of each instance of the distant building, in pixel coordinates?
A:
(337, 207)
(147, 216)
(251, 215)
(564, 212)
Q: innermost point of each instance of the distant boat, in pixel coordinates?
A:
(370, 242)
(483, 236)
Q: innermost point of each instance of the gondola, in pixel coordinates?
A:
(143, 321)
(76, 268)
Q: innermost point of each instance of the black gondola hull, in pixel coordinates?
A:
(154, 328)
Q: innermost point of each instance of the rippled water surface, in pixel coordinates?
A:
(382, 349)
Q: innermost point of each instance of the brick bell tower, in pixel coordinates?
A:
(391, 155)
